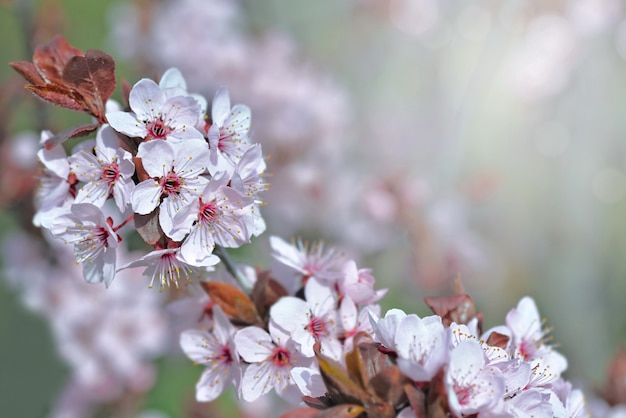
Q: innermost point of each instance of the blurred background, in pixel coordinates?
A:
(431, 139)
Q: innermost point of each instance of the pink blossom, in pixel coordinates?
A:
(229, 133)
(421, 344)
(472, 386)
(215, 217)
(168, 266)
(176, 178)
(108, 172)
(271, 357)
(358, 284)
(156, 116)
(55, 193)
(94, 241)
(311, 261)
(310, 320)
(216, 350)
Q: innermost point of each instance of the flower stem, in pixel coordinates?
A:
(232, 268)
(127, 220)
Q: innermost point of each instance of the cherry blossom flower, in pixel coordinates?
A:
(472, 386)
(168, 266)
(309, 261)
(529, 343)
(108, 172)
(248, 180)
(421, 344)
(173, 84)
(358, 284)
(271, 356)
(228, 135)
(216, 350)
(156, 116)
(386, 328)
(310, 320)
(354, 321)
(176, 178)
(215, 217)
(57, 183)
(94, 241)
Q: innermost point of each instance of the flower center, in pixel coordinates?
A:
(171, 184)
(317, 327)
(225, 143)
(157, 129)
(110, 173)
(280, 357)
(225, 356)
(208, 211)
(463, 394)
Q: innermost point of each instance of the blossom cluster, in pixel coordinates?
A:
(188, 179)
(508, 371)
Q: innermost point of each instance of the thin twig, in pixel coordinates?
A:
(232, 268)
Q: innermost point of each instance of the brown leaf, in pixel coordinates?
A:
(93, 77)
(266, 292)
(51, 58)
(301, 413)
(28, 71)
(63, 75)
(57, 95)
(457, 308)
(322, 402)
(389, 386)
(437, 398)
(356, 368)
(339, 411)
(148, 227)
(236, 304)
(498, 340)
(615, 391)
(342, 387)
(373, 360)
(75, 132)
(417, 400)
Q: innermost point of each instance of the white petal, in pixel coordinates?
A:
(127, 123)
(145, 197)
(146, 99)
(221, 106)
(253, 344)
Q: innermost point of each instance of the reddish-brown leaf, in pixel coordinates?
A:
(28, 71)
(437, 398)
(322, 402)
(389, 386)
(498, 340)
(93, 77)
(148, 227)
(457, 308)
(417, 400)
(266, 292)
(301, 413)
(339, 411)
(236, 304)
(373, 360)
(51, 58)
(63, 75)
(75, 132)
(340, 384)
(615, 391)
(58, 95)
(356, 368)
